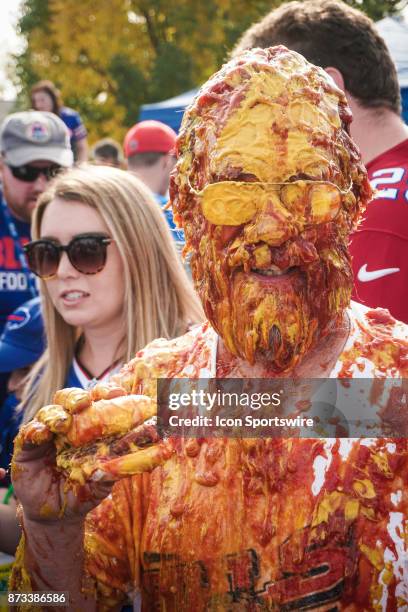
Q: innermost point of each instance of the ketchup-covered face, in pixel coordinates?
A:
(268, 186)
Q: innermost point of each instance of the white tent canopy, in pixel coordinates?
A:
(394, 30)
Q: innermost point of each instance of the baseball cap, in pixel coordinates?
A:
(33, 136)
(149, 137)
(22, 341)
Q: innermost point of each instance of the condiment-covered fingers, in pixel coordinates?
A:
(80, 464)
(113, 417)
(141, 461)
(73, 399)
(141, 436)
(106, 390)
(55, 417)
(52, 419)
(34, 432)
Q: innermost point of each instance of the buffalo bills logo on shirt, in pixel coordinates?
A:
(18, 319)
(38, 132)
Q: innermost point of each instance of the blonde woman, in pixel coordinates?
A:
(111, 280)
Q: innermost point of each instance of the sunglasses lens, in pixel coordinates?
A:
(29, 174)
(43, 258)
(88, 254)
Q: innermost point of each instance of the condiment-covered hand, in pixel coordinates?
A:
(84, 439)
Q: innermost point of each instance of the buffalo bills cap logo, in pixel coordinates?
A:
(38, 132)
(18, 319)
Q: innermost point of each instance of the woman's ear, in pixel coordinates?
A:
(337, 77)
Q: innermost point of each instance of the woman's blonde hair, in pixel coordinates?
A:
(159, 299)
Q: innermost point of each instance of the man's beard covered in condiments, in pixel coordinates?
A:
(273, 318)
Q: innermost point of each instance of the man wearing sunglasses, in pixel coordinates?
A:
(34, 147)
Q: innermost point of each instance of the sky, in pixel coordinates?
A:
(10, 43)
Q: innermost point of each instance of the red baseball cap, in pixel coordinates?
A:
(149, 137)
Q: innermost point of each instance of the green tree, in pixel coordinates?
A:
(110, 56)
(377, 9)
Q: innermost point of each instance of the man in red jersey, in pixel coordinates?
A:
(379, 246)
(345, 42)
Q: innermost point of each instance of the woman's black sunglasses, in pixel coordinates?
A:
(86, 252)
(29, 174)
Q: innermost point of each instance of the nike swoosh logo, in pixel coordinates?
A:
(365, 276)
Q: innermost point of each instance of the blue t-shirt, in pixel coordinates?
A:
(14, 280)
(73, 121)
(9, 424)
(79, 377)
(73, 378)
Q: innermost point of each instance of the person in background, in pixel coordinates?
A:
(111, 280)
(34, 147)
(107, 152)
(21, 345)
(149, 149)
(46, 97)
(345, 42)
